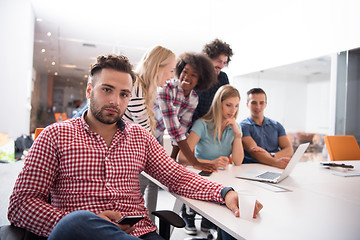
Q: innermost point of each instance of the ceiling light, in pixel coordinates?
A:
(43, 50)
(53, 63)
(81, 83)
(48, 34)
(85, 76)
(89, 45)
(68, 66)
(56, 73)
(39, 19)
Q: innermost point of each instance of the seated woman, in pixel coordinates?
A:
(215, 137)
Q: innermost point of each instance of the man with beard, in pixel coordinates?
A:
(90, 165)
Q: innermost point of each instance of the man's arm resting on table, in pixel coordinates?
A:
(262, 155)
(286, 150)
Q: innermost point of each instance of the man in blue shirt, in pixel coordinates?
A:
(265, 140)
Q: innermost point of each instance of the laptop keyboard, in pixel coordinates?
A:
(269, 175)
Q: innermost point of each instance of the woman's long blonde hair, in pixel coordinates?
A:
(214, 115)
(147, 74)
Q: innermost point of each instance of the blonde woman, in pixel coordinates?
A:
(213, 138)
(154, 69)
(216, 135)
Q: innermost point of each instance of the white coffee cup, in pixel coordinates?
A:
(246, 205)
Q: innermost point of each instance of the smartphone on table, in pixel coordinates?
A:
(130, 219)
(205, 173)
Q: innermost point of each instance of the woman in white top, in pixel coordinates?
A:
(154, 69)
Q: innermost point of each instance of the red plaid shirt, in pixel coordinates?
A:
(76, 168)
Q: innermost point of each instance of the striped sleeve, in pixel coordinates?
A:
(136, 111)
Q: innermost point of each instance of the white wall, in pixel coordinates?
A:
(16, 48)
(318, 106)
(266, 34)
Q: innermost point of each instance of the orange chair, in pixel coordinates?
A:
(60, 117)
(37, 132)
(342, 148)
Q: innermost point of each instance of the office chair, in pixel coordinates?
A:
(342, 148)
(37, 132)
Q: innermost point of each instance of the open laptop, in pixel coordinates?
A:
(275, 177)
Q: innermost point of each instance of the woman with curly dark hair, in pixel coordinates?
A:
(177, 101)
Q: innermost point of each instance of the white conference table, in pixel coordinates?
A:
(320, 204)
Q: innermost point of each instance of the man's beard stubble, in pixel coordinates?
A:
(99, 115)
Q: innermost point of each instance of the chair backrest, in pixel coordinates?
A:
(60, 116)
(37, 132)
(342, 147)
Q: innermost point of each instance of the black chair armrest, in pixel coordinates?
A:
(167, 218)
(10, 232)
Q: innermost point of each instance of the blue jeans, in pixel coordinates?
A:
(88, 226)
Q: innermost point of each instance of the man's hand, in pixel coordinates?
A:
(115, 217)
(232, 202)
(282, 162)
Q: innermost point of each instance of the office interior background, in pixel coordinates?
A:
(304, 54)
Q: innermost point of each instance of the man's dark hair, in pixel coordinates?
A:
(216, 48)
(256, 91)
(204, 67)
(116, 62)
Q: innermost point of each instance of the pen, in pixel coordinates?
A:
(337, 165)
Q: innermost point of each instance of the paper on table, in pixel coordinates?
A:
(271, 187)
(347, 174)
